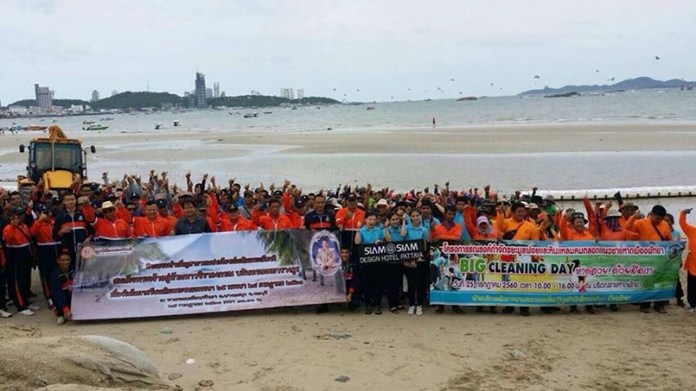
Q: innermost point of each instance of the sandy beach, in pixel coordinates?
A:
(400, 158)
(294, 349)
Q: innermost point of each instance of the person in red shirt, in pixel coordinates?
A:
(17, 246)
(107, 227)
(151, 225)
(233, 220)
(275, 220)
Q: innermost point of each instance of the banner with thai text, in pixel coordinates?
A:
(203, 273)
(520, 273)
(397, 252)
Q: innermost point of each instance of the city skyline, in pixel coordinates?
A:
(354, 50)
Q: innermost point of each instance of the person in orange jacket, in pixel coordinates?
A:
(690, 262)
(233, 220)
(164, 212)
(447, 229)
(108, 227)
(17, 246)
(275, 220)
(47, 247)
(151, 225)
(516, 227)
(578, 230)
(652, 228)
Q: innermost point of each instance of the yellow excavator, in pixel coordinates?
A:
(54, 161)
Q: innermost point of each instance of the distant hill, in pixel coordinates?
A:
(139, 100)
(66, 103)
(267, 101)
(136, 100)
(630, 84)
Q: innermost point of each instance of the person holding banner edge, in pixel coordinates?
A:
(690, 262)
(373, 275)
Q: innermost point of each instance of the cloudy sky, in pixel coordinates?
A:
(382, 48)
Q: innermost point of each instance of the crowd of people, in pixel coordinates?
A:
(44, 230)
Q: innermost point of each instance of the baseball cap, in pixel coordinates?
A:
(659, 210)
(232, 208)
(382, 202)
(161, 203)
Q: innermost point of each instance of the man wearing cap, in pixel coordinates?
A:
(163, 211)
(191, 222)
(17, 247)
(296, 214)
(652, 228)
(107, 227)
(233, 220)
(151, 225)
(349, 219)
(247, 206)
(47, 247)
(627, 211)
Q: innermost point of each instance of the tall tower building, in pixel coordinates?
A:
(44, 98)
(95, 96)
(300, 93)
(201, 99)
(216, 90)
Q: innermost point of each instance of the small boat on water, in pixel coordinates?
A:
(158, 126)
(268, 112)
(107, 119)
(95, 127)
(87, 122)
(369, 108)
(176, 122)
(251, 115)
(37, 127)
(464, 98)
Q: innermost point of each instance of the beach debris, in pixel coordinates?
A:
(537, 77)
(166, 330)
(452, 79)
(40, 381)
(342, 379)
(190, 361)
(206, 383)
(334, 335)
(296, 329)
(517, 354)
(174, 376)
(657, 57)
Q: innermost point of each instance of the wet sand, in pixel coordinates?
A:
(296, 349)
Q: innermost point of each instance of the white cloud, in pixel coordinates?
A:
(381, 47)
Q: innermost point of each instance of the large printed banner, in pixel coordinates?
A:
(517, 273)
(203, 273)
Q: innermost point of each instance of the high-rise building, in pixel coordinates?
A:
(201, 98)
(288, 93)
(43, 97)
(300, 93)
(208, 93)
(95, 96)
(216, 90)
(222, 94)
